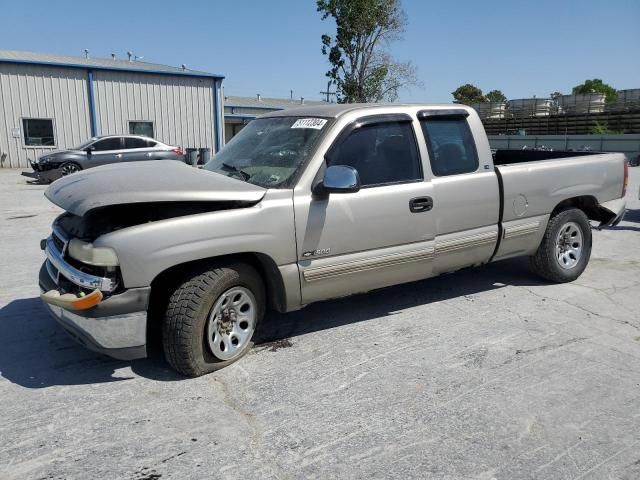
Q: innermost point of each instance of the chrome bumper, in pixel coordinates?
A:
(116, 327)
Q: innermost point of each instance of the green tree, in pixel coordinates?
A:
(468, 94)
(596, 86)
(496, 96)
(555, 96)
(603, 129)
(361, 67)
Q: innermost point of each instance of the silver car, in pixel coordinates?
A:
(100, 151)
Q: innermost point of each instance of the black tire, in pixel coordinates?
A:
(545, 263)
(69, 168)
(185, 323)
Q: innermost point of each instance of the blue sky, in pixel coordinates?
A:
(523, 48)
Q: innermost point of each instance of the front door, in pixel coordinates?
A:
(105, 151)
(379, 236)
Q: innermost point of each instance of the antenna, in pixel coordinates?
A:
(291, 98)
(86, 53)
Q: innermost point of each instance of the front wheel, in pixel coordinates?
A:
(211, 317)
(565, 249)
(69, 168)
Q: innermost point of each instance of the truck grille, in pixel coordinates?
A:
(58, 242)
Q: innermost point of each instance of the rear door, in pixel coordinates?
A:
(465, 189)
(105, 151)
(375, 237)
(136, 150)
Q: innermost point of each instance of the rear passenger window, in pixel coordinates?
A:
(112, 143)
(382, 153)
(451, 146)
(135, 143)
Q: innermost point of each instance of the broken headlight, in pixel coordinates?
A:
(85, 252)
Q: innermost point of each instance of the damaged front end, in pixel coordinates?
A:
(81, 283)
(81, 280)
(84, 274)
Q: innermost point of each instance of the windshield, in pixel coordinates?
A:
(269, 151)
(84, 145)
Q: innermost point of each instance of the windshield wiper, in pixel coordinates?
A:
(245, 176)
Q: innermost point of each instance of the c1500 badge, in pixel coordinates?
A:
(316, 253)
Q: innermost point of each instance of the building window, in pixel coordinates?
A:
(38, 132)
(141, 128)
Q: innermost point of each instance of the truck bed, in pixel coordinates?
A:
(508, 157)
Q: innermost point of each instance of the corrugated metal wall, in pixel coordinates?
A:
(181, 108)
(35, 91)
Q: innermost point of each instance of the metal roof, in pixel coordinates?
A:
(14, 56)
(267, 103)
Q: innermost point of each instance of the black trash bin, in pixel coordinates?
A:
(191, 156)
(205, 156)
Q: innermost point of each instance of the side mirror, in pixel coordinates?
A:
(339, 179)
(90, 149)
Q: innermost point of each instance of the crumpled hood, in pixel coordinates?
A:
(147, 182)
(53, 153)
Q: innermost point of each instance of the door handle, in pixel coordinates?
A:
(420, 204)
(118, 155)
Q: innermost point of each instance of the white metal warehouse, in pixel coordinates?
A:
(51, 102)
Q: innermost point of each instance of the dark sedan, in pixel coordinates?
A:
(101, 151)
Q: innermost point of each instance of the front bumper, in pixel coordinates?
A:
(39, 172)
(116, 326)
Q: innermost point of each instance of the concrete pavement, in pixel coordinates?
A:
(486, 373)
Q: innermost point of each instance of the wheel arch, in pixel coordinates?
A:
(588, 204)
(264, 265)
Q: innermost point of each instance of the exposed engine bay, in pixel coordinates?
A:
(102, 220)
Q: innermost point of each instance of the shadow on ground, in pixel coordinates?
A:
(36, 353)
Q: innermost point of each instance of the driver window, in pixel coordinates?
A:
(382, 153)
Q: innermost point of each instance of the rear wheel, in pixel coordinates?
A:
(211, 317)
(565, 249)
(69, 168)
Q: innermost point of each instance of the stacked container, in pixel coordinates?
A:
(582, 103)
(530, 107)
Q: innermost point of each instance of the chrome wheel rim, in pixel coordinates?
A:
(69, 168)
(569, 245)
(231, 323)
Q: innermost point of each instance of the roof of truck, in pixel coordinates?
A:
(335, 110)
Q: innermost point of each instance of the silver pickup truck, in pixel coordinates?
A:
(305, 205)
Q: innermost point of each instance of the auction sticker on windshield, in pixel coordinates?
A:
(315, 123)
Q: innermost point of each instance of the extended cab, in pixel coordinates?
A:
(306, 205)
